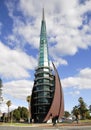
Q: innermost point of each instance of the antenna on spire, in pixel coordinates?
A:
(43, 16)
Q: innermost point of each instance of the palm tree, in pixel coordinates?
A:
(1, 99)
(8, 104)
(28, 100)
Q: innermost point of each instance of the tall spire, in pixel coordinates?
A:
(46, 99)
(43, 15)
(43, 51)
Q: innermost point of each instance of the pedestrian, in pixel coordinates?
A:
(54, 120)
(77, 119)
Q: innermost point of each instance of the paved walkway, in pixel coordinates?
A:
(46, 128)
(62, 124)
(58, 126)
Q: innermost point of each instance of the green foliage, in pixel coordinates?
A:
(8, 103)
(88, 115)
(28, 99)
(66, 114)
(0, 88)
(90, 108)
(81, 109)
(75, 111)
(24, 113)
(20, 113)
(0, 83)
(16, 115)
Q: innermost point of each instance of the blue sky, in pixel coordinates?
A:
(68, 26)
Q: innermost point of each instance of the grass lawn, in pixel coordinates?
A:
(15, 124)
(85, 121)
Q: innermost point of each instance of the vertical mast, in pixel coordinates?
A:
(43, 50)
(43, 16)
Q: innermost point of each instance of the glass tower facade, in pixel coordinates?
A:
(44, 82)
(43, 50)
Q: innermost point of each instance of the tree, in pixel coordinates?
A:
(16, 115)
(0, 87)
(66, 114)
(8, 104)
(28, 100)
(75, 111)
(1, 99)
(24, 113)
(82, 108)
(90, 108)
(20, 114)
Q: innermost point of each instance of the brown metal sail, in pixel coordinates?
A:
(57, 106)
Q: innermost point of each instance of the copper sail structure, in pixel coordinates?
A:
(47, 96)
(57, 106)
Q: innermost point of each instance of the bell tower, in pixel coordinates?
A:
(46, 93)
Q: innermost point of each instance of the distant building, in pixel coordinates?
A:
(47, 98)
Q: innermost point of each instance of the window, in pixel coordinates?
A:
(46, 80)
(44, 94)
(46, 75)
(46, 88)
(40, 81)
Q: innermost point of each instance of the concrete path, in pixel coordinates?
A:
(46, 128)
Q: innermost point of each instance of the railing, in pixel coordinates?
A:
(49, 84)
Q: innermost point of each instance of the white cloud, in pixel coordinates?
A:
(29, 33)
(74, 93)
(4, 108)
(63, 18)
(28, 8)
(19, 89)
(59, 60)
(85, 73)
(15, 63)
(81, 81)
